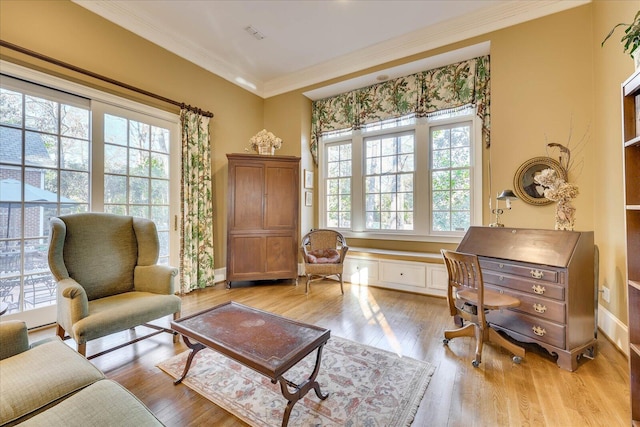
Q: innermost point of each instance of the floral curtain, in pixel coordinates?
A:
(196, 242)
(425, 93)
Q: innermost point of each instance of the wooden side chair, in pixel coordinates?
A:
(323, 252)
(469, 300)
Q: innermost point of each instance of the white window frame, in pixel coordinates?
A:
(46, 315)
(422, 184)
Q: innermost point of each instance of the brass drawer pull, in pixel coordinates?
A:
(539, 308)
(539, 331)
(538, 289)
(536, 274)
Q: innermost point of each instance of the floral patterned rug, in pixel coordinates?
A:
(367, 387)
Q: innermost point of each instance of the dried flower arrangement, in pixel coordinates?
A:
(562, 192)
(265, 142)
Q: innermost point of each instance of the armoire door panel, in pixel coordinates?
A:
(281, 201)
(249, 255)
(247, 192)
(281, 254)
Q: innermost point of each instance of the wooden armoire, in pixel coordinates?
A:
(262, 217)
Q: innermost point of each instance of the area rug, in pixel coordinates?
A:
(367, 387)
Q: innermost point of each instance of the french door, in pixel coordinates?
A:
(68, 151)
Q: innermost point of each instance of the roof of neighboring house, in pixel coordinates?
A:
(11, 143)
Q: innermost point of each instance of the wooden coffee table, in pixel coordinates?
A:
(265, 342)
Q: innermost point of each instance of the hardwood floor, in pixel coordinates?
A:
(498, 393)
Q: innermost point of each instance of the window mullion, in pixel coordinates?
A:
(357, 183)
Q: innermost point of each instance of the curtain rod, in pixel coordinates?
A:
(101, 77)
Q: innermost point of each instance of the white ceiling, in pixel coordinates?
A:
(307, 42)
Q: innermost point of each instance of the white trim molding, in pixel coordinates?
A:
(616, 331)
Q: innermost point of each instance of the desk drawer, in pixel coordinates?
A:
(535, 287)
(530, 326)
(544, 308)
(537, 272)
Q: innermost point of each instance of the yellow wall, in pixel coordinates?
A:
(550, 79)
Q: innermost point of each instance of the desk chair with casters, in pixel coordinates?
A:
(323, 252)
(469, 300)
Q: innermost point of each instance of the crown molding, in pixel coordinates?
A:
(501, 15)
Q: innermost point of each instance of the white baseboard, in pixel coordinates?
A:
(614, 329)
(219, 275)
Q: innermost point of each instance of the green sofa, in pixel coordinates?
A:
(49, 384)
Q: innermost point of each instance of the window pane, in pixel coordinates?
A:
(74, 186)
(385, 157)
(11, 145)
(139, 162)
(41, 114)
(139, 134)
(159, 165)
(115, 189)
(338, 185)
(115, 159)
(451, 177)
(115, 130)
(41, 149)
(138, 190)
(75, 154)
(10, 108)
(160, 139)
(74, 122)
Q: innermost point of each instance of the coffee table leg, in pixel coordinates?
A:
(301, 389)
(194, 349)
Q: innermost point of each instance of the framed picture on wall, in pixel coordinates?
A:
(308, 179)
(308, 198)
(524, 184)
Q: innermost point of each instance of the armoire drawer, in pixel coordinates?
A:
(537, 272)
(542, 307)
(530, 326)
(535, 287)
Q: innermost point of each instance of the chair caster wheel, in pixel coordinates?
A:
(475, 363)
(445, 341)
(517, 360)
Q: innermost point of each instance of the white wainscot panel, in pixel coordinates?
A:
(437, 279)
(410, 276)
(360, 271)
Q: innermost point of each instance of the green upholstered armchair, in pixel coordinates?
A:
(108, 277)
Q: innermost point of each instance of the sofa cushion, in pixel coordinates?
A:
(41, 376)
(103, 403)
(323, 256)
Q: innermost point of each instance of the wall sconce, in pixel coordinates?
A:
(506, 195)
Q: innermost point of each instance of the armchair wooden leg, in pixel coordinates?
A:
(82, 349)
(306, 289)
(341, 286)
(59, 331)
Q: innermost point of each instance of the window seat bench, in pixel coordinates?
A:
(418, 272)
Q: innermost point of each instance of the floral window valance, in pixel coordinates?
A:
(423, 94)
